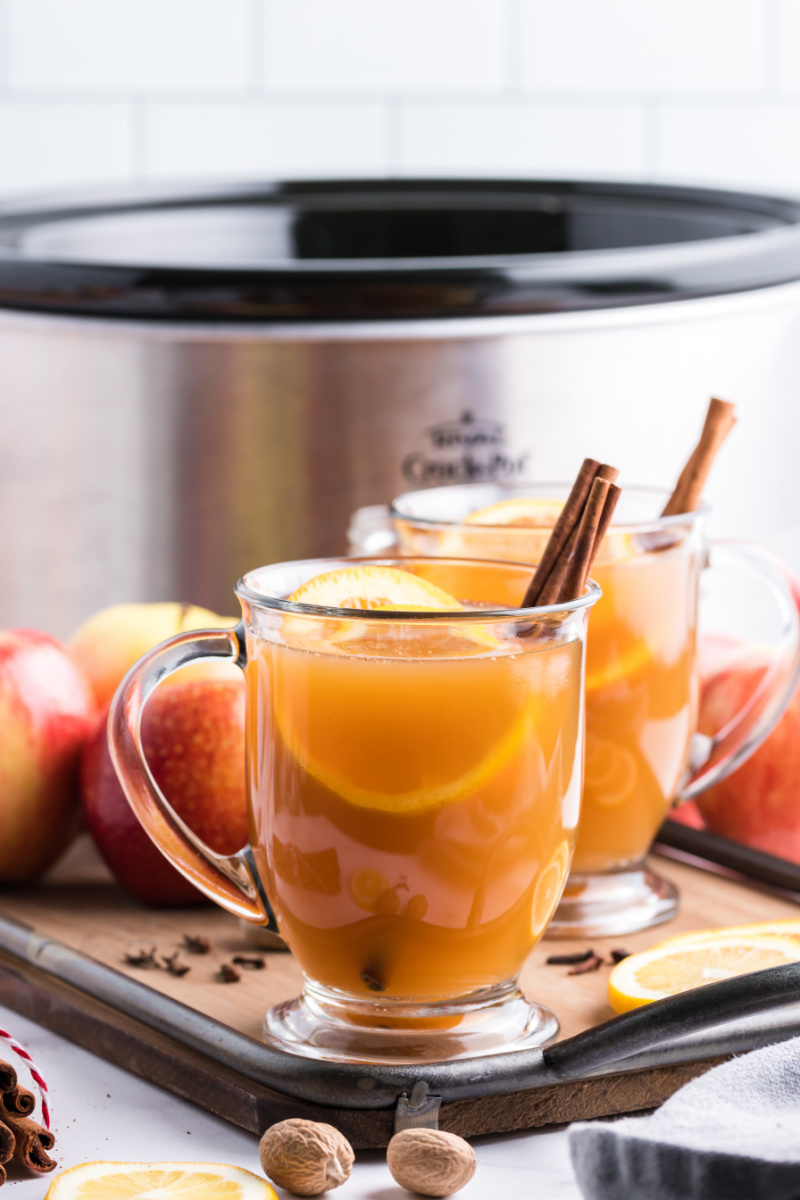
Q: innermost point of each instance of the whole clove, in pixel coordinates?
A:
(589, 964)
(196, 945)
(142, 957)
(229, 974)
(373, 978)
(250, 962)
(173, 964)
(569, 960)
(617, 956)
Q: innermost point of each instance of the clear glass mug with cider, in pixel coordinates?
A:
(414, 754)
(642, 680)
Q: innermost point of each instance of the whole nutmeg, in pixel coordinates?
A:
(430, 1161)
(305, 1157)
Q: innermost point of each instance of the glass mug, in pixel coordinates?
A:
(642, 679)
(414, 787)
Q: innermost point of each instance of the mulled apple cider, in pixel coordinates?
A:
(414, 760)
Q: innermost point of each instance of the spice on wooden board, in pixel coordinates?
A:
(173, 964)
(229, 974)
(250, 962)
(141, 956)
(590, 964)
(569, 960)
(196, 945)
(617, 956)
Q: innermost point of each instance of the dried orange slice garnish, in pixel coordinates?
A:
(167, 1180)
(677, 966)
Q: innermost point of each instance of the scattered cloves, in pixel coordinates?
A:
(229, 974)
(141, 956)
(250, 962)
(196, 945)
(618, 955)
(173, 964)
(589, 964)
(570, 960)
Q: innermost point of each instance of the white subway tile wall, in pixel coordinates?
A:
(108, 90)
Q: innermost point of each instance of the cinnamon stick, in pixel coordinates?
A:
(31, 1143)
(587, 542)
(18, 1100)
(563, 571)
(548, 578)
(720, 420)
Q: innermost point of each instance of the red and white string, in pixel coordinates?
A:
(34, 1072)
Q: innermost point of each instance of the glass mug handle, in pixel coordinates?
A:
(715, 757)
(230, 880)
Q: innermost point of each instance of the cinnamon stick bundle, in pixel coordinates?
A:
(562, 573)
(21, 1138)
(720, 420)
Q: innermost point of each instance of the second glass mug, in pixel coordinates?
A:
(414, 790)
(642, 681)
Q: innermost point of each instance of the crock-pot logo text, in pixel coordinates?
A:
(467, 450)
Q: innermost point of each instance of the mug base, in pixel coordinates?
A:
(613, 904)
(324, 1024)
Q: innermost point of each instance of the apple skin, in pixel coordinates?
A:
(193, 739)
(46, 712)
(759, 803)
(109, 642)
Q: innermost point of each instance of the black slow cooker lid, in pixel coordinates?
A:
(371, 249)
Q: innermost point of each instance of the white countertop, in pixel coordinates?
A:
(101, 1112)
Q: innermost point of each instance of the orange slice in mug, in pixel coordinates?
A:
(387, 730)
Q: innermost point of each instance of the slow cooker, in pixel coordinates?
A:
(199, 381)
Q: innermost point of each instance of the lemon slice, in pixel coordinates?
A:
(780, 929)
(143, 1181)
(426, 796)
(375, 588)
(527, 511)
(616, 668)
(678, 966)
(609, 772)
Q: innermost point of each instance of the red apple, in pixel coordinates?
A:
(759, 803)
(193, 739)
(46, 711)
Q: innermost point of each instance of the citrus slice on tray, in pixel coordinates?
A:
(676, 966)
(166, 1180)
(375, 588)
(781, 929)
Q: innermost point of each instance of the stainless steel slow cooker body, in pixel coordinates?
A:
(165, 428)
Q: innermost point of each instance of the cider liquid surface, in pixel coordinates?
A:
(414, 805)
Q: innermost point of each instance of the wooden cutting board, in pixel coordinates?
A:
(81, 907)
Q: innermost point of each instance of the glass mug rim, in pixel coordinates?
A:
(260, 599)
(651, 525)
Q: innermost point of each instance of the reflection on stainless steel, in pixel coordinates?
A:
(159, 462)
(254, 363)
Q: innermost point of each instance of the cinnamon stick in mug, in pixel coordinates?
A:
(576, 537)
(720, 420)
(548, 579)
